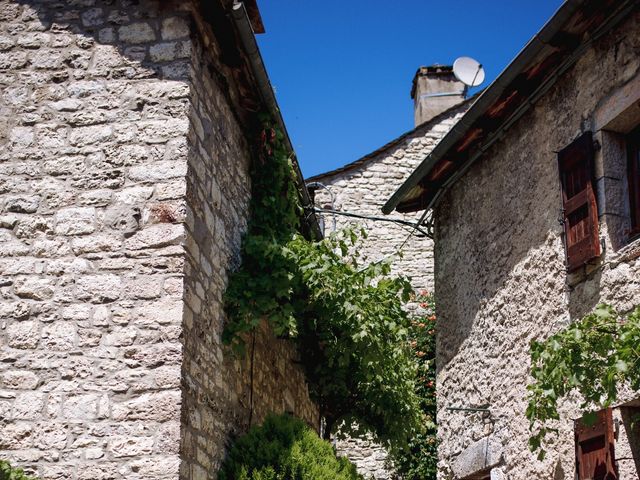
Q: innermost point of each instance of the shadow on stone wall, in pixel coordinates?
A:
(143, 97)
(491, 249)
(631, 425)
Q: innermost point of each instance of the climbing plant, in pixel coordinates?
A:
(419, 461)
(595, 356)
(7, 472)
(346, 317)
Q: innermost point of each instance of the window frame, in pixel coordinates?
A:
(581, 237)
(633, 180)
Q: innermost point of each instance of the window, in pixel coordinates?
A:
(580, 212)
(633, 176)
(595, 456)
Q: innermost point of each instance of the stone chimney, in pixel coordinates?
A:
(435, 89)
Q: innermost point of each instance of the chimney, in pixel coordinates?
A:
(435, 89)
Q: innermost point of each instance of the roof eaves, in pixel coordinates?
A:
(486, 100)
(245, 29)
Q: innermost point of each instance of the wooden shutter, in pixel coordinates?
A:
(595, 459)
(579, 202)
(633, 174)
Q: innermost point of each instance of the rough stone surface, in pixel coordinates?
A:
(114, 250)
(477, 457)
(218, 399)
(362, 188)
(500, 274)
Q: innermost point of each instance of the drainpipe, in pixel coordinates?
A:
(248, 39)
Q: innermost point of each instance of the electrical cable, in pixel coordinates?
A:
(399, 221)
(422, 217)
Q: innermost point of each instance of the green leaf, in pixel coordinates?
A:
(590, 418)
(349, 325)
(594, 356)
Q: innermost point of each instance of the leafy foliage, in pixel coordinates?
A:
(346, 319)
(284, 448)
(419, 461)
(7, 472)
(594, 356)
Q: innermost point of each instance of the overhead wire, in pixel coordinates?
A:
(400, 221)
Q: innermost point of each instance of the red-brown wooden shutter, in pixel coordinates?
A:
(579, 200)
(595, 458)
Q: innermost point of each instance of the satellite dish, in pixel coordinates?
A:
(468, 71)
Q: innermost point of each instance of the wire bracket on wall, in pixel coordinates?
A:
(424, 227)
(481, 409)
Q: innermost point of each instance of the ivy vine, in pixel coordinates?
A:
(7, 472)
(420, 460)
(595, 356)
(346, 317)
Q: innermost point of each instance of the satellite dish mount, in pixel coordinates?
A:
(468, 71)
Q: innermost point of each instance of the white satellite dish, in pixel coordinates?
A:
(468, 71)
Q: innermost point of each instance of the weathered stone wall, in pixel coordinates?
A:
(113, 135)
(500, 274)
(91, 267)
(218, 389)
(363, 188)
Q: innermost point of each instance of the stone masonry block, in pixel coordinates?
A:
(174, 27)
(59, 336)
(158, 172)
(22, 204)
(479, 456)
(90, 135)
(19, 380)
(99, 288)
(155, 236)
(28, 406)
(80, 407)
(75, 221)
(136, 33)
(161, 406)
(122, 446)
(50, 435)
(168, 51)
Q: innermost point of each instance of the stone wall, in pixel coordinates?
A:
(114, 138)
(220, 400)
(501, 278)
(363, 187)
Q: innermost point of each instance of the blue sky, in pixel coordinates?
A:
(342, 70)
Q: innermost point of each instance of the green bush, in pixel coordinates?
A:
(284, 448)
(9, 473)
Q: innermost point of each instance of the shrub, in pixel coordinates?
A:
(7, 472)
(284, 448)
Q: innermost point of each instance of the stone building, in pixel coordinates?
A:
(361, 187)
(126, 132)
(357, 191)
(535, 202)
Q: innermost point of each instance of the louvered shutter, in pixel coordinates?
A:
(595, 459)
(578, 195)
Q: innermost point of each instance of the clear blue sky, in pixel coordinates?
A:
(342, 70)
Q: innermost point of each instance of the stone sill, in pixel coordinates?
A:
(626, 254)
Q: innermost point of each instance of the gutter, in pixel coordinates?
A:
(248, 39)
(492, 93)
